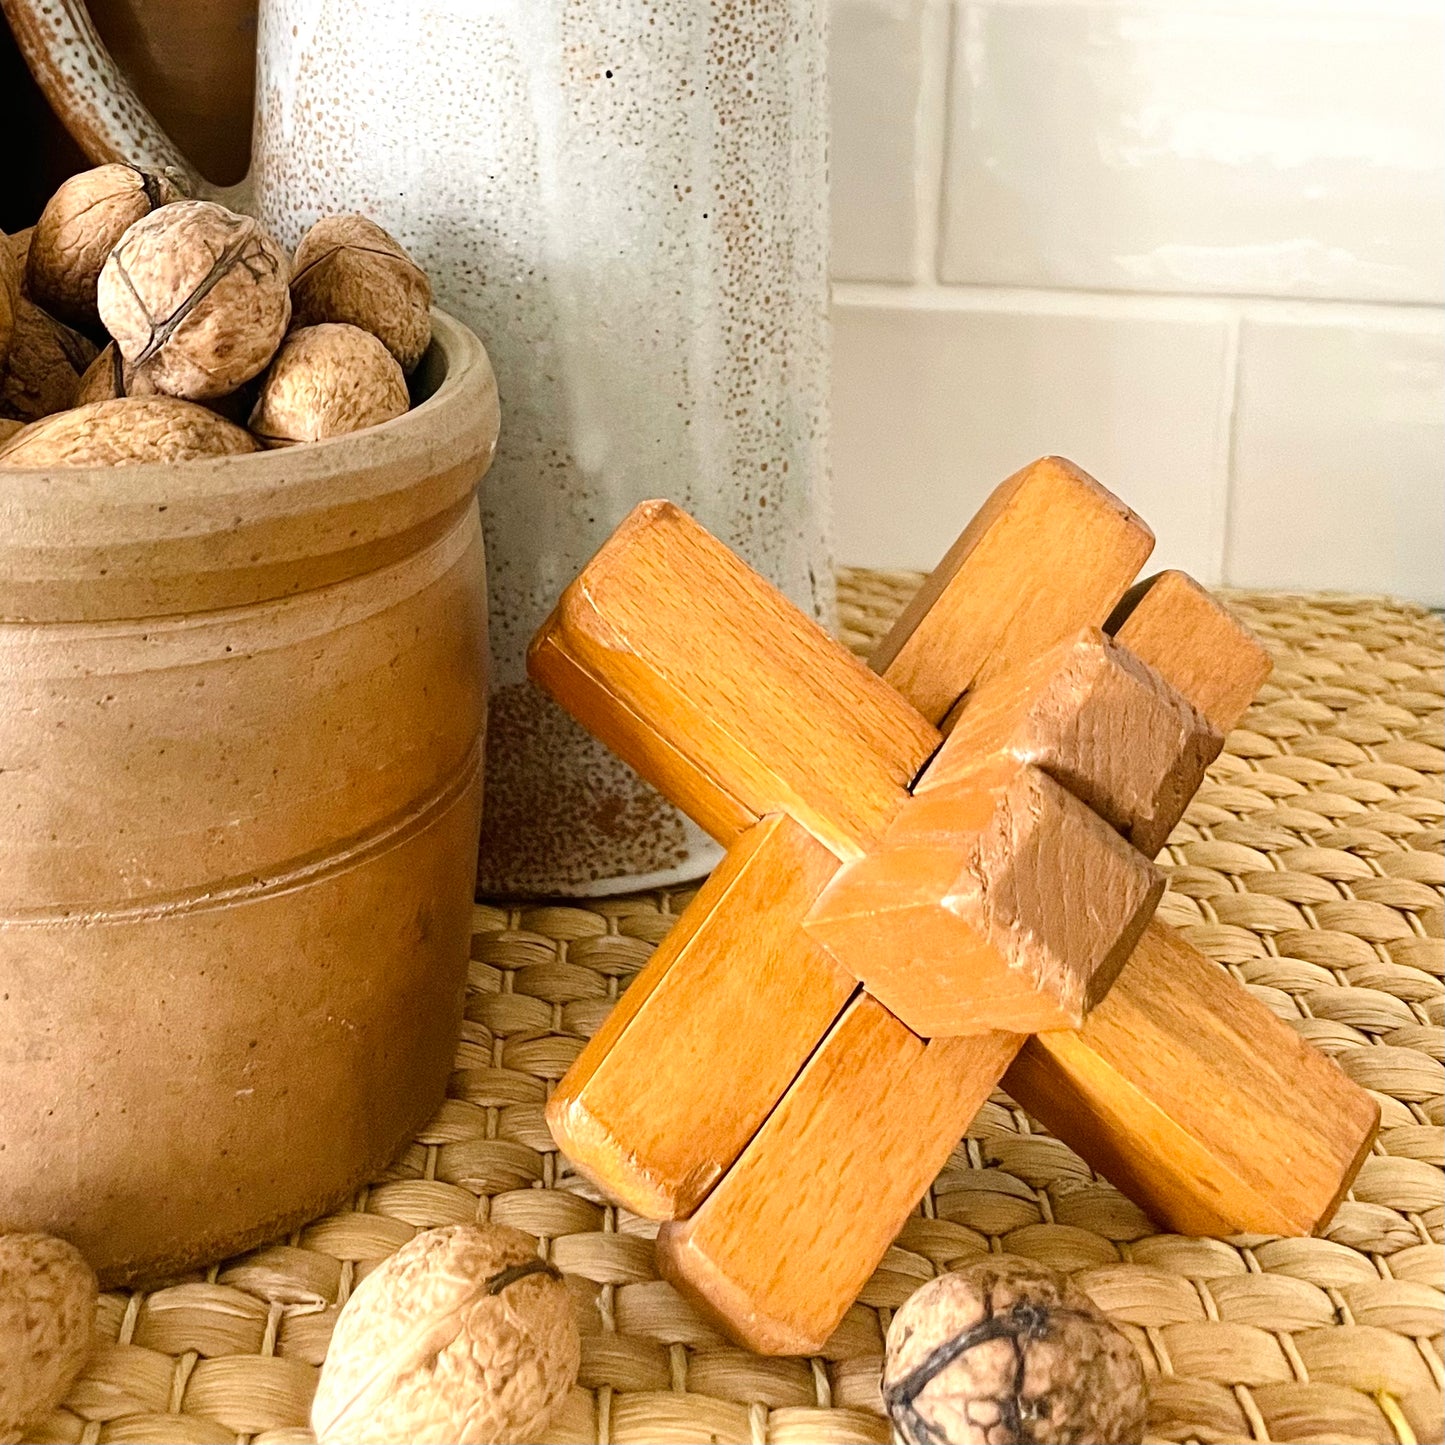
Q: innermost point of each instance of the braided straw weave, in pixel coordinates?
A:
(1310, 866)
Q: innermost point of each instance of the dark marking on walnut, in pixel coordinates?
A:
(513, 1272)
(1026, 1322)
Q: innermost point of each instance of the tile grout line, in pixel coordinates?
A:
(930, 130)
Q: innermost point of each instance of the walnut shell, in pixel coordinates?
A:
(47, 1317)
(463, 1336)
(18, 244)
(44, 366)
(348, 269)
(124, 432)
(10, 272)
(326, 381)
(108, 377)
(77, 230)
(1008, 1352)
(196, 297)
(9, 427)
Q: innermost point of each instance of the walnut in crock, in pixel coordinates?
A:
(197, 298)
(78, 229)
(1007, 1352)
(326, 381)
(10, 270)
(44, 366)
(124, 432)
(348, 269)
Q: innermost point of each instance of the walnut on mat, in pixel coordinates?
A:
(465, 1335)
(47, 1317)
(1008, 1352)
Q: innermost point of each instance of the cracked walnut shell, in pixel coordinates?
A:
(1009, 1352)
(348, 269)
(124, 432)
(197, 298)
(326, 381)
(47, 1317)
(463, 1336)
(77, 230)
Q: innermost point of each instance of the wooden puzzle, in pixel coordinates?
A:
(938, 878)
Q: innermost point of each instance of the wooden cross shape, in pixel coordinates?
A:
(745, 1088)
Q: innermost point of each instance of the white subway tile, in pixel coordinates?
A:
(933, 407)
(1339, 459)
(876, 54)
(1250, 148)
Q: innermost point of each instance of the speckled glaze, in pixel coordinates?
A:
(628, 203)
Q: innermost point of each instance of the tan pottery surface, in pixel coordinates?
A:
(241, 735)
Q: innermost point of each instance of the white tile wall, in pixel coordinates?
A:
(877, 80)
(1339, 435)
(935, 405)
(1196, 148)
(1198, 245)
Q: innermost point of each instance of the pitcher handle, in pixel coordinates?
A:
(94, 101)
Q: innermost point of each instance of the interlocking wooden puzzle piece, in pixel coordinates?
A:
(734, 997)
(778, 1258)
(1099, 721)
(1172, 623)
(1201, 1163)
(721, 693)
(1266, 1137)
(1049, 510)
(910, 1158)
(718, 1017)
(995, 900)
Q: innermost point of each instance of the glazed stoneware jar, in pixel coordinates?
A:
(628, 203)
(241, 734)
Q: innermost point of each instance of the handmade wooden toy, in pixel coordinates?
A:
(745, 1087)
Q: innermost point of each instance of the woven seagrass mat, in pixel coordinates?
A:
(1310, 865)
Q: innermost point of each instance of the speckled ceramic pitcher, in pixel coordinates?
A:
(627, 200)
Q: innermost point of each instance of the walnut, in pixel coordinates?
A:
(44, 366)
(196, 297)
(325, 381)
(10, 273)
(18, 244)
(104, 378)
(126, 431)
(1007, 1352)
(463, 1336)
(109, 377)
(47, 1316)
(9, 427)
(76, 231)
(348, 269)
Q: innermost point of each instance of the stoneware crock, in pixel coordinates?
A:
(241, 730)
(628, 203)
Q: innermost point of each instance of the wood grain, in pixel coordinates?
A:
(1103, 724)
(1198, 1102)
(995, 901)
(709, 1034)
(1193, 640)
(1050, 551)
(721, 693)
(780, 1248)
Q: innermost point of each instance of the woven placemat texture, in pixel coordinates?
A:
(1310, 865)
